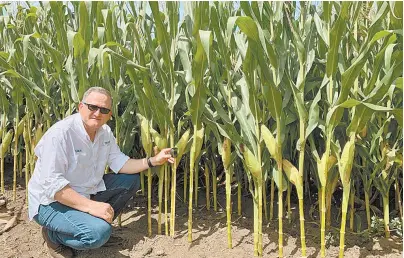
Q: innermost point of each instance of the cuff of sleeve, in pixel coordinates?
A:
(118, 163)
(54, 185)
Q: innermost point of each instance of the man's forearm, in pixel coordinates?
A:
(133, 166)
(73, 199)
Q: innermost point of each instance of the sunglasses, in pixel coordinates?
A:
(92, 107)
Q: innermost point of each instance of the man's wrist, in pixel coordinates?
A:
(149, 162)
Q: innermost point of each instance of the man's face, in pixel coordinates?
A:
(93, 120)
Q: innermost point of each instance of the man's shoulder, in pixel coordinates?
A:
(62, 127)
(67, 122)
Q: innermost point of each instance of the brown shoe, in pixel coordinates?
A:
(56, 250)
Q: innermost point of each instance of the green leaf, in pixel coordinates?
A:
(230, 27)
(398, 114)
(336, 38)
(245, 118)
(275, 175)
(273, 100)
(321, 29)
(314, 113)
(197, 104)
(248, 27)
(84, 26)
(60, 29)
(206, 41)
(299, 101)
(28, 84)
(219, 109)
(162, 34)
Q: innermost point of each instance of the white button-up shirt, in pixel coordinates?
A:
(67, 156)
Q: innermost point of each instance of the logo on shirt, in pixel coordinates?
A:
(77, 151)
(107, 142)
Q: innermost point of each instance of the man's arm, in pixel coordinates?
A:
(133, 166)
(71, 198)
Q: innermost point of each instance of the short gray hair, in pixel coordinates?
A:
(99, 90)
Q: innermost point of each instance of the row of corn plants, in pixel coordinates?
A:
(275, 94)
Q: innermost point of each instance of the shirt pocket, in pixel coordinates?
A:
(103, 155)
(81, 160)
(84, 159)
(79, 164)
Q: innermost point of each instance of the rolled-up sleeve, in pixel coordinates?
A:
(53, 164)
(116, 159)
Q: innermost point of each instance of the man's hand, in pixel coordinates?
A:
(71, 198)
(133, 166)
(162, 157)
(102, 210)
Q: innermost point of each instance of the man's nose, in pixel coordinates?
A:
(97, 112)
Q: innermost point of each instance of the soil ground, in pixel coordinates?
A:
(209, 233)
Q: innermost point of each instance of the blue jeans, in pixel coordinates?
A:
(80, 230)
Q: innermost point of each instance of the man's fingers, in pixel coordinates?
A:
(167, 150)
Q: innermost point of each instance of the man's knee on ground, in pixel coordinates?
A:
(97, 235)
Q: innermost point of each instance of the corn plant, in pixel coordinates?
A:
(198, 98)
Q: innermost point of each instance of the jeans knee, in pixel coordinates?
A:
(136, 183)
(133, 182)
(97, 236)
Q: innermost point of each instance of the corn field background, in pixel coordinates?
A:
(296, 105)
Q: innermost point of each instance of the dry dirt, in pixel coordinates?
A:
(209, 234)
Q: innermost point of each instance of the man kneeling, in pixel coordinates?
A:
(69, 195)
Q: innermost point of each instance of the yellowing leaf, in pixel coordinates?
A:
(199, 140)
(6, 143)
(38, 133)
(145, 134)
(252, 164)
(20, 127)
(291, 171)
(323, 170)
(345, 163)
(160, 141)
(293, 175)
(196, 143)
(226, 153)
(270, 141)
(182, 144)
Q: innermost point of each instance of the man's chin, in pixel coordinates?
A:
(95, 125)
